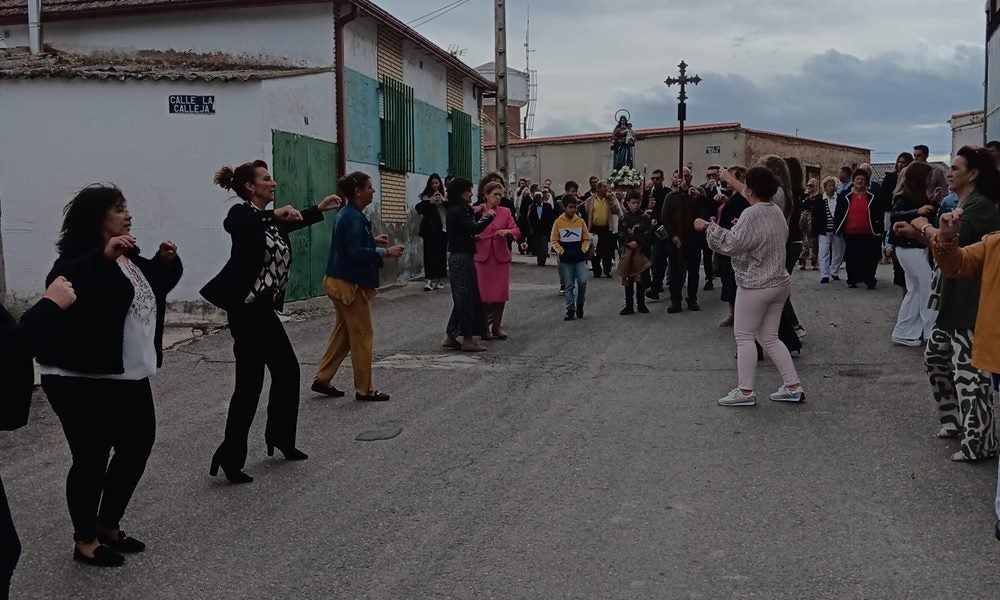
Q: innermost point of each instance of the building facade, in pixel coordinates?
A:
(992, 118)
(576, 157)
(156, 95)
(967, 129)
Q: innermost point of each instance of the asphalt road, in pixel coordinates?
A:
(575, 460)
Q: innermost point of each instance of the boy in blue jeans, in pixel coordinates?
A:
(571, 241)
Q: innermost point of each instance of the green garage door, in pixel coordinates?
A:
(306, 171)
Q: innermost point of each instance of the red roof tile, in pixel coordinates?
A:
(665, 131)
(640, 133)
(15, 11)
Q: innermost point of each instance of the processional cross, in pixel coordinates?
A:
(683, 80)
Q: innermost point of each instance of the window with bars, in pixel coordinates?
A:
(460, 155)
(396, 118)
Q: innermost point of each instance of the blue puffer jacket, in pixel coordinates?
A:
(353, 253)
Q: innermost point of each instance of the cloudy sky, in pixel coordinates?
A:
(882, 74)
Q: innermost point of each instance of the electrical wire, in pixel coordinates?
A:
(434, 14)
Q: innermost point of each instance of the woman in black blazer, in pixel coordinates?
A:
(17, 347)
(250, 288)
(96, 366)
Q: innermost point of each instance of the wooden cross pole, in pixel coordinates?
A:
(682, 81)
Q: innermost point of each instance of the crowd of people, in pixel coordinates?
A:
(97, 331)
(750, 228)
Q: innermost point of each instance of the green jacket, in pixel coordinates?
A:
(960, 297)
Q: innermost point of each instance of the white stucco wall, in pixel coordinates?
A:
(471, 105)
(993, 88)
(286, 103)
(427, 77)
(361, 47)
(299, 34)
(121, 132)
(966, 131)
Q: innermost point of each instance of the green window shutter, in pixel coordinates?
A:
(460, 155)
(396, 112)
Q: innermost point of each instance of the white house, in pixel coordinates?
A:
(992, 117)
(967, 129)
(155, 95)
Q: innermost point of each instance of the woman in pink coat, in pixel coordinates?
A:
(493, 259)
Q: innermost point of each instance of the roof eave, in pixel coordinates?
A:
(365, 6)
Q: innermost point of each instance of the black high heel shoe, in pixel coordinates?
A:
(289, 453)
(233, 475)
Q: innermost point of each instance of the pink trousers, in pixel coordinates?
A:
(757, 315)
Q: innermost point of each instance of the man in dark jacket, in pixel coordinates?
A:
(540, 217)
(680, 209)
(661, 247)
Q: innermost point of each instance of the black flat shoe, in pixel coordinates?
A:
(674, 309)
(233, 475)
(289, 453)
(642, 309)
(375, 396)
(326, 389)
(103, 557)
(693, 306)
(123, 545)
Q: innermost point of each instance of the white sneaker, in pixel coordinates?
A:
(429, 286)
(785, 395)
(736, 397)
(904, 342)
(800, 331)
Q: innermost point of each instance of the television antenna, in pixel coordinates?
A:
(529, 112)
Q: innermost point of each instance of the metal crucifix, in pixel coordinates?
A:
(683, 80)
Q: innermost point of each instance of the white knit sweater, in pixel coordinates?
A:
(757, 246)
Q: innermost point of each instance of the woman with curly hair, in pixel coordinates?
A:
(96, 369)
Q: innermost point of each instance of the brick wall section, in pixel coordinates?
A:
(456, 93)
(390, 54)
(393, 197)
(393, 185)
(827, 158)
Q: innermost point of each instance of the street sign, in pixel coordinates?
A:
(713, 149)
(192, 105)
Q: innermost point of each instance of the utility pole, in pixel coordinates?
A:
(683, 80)
(501, 77)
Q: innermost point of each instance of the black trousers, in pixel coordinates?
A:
(728, 277)
(99, 415)
(259, 341)
(685, 261)
(539, 245)
(10, 545)
(660, 260)
(792, 252)
(861, 256)
(634, 297)
(707, 257)
(605, 252)
(436, 257)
